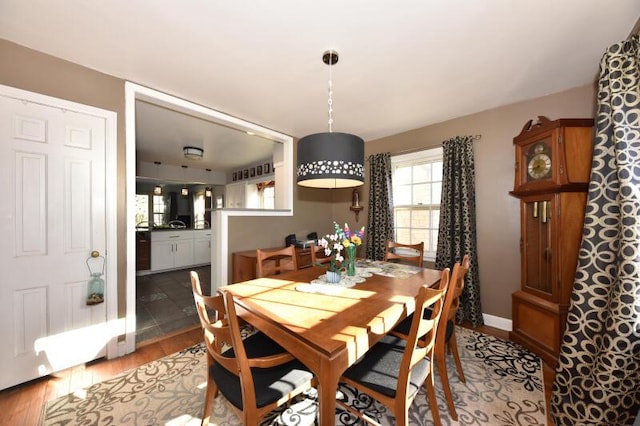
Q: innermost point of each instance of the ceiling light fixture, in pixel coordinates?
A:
(193, 152)
(330, 160)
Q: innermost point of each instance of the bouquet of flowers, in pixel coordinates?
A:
(342, 239)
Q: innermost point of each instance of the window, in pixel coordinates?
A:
(417, 187)
(267, 193)
(160, 210)
(142, 211)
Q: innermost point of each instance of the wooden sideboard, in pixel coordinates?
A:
(243, 263)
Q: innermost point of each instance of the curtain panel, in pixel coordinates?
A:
(457, 232)
(597, 381)
(380, 215)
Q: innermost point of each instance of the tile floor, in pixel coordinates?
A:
(164, 302)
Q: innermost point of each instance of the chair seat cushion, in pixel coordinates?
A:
(405, 325)
(270, 384)
(380, 367)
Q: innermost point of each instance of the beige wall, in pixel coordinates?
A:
(315, 209)
(34, 71)
(497, 213)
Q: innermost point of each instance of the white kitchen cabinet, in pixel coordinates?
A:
(202, 247)
(171, 249)
(235, 193)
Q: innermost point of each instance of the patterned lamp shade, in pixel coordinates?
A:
(330, 160)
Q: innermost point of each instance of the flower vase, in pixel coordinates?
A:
(333, 277)
(351, 260)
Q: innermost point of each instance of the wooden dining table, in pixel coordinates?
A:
(328, 332)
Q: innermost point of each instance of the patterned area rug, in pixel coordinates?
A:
(503, 387)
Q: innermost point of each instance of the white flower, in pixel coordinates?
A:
(339, 257)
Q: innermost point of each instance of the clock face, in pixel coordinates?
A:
(539, 162)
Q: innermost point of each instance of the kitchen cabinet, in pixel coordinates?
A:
(202, 247)
(235, 193)
(143, 250)
(171, 249)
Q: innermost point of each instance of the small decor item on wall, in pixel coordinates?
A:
(267, 168)
(259, 170)
(239, 174)
(95, 286)
(252, 172)
(355, 203)
(219, 202)
(235, 176)
(245, 173)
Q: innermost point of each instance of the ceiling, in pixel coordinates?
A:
(400, 68)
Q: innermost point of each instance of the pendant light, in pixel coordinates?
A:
(330, 159)
(157, 190)
(185, 190)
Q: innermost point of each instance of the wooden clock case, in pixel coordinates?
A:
(551, 222)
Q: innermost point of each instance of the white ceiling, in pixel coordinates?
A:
(403, 65)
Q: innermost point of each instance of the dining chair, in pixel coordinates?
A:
(408, 253)
(273, 262)
(255, 374)
(318, 255)
(446, 335)
(394, 369)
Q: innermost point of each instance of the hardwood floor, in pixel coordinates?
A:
(23, 404)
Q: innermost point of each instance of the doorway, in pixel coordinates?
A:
(283, 176)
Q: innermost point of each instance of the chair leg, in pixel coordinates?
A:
(210, 395)
(433, 403)
(444, 378)
(454, 349)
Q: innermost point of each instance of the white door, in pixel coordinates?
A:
(53, 215)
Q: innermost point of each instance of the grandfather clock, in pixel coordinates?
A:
(553, 163)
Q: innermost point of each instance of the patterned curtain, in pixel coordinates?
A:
(598, 376)
(380, 219)
(457, 232)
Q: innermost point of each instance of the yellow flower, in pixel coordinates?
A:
(355, 240)
(346, 243)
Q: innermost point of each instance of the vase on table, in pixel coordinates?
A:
(333, 277)
(351, 260)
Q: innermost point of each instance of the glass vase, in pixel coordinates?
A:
(351, 260)
(95, 293)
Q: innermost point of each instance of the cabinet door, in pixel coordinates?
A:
(538, 222)
(235, 195)
(161, 255)
(183, 253)
(202, 250)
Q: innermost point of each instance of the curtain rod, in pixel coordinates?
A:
(412, 150)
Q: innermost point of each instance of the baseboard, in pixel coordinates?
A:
(498, 322)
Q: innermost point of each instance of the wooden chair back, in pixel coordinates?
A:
(215, 328)
(275, 262)
(240, 361)
(445, 335)
(457, 287)
(408, 253)
(379, 363)
(318, 255)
